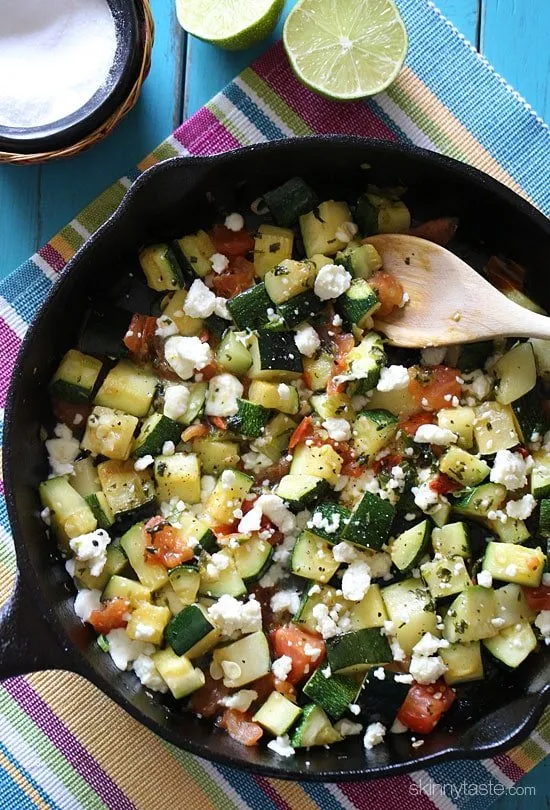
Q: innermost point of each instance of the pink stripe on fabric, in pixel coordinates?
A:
(508, 767)
(353, 118)
(203, 134)
(402, 790)
(271, 793)
(54, 259)
(75, 753)
(10, 343)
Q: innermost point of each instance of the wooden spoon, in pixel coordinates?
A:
(449, 301)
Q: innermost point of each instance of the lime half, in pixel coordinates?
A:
(230, 24)
(346, 49)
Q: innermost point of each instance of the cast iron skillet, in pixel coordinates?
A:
(38, 629)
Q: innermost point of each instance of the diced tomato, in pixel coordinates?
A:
(263, 596)
(440, 230)
(344, 345)
(442, 484)
(291, 640)
(111, 615)
(168, 545)
(194, 432)
(411, 425)
(523, 452)
(219, 422)
(267, 684)
(505, 274)
(205, 701)
(538, 598)
(301, 433)
(67, 412)
(140, 337)
(274, 473)
(386, 463)
(232, 243)
(236, 279)
(424, 706)
(433, 388)
(240, 727)
(209, 371)
(389, 291)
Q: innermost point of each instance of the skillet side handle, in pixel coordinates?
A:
(27, 643)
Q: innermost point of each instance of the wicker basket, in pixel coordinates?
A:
(148, 29)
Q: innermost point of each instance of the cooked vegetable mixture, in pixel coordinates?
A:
(297, 531)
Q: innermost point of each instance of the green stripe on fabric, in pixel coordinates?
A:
(533, 750)
(275, 103)
(229, 125)
(95, 214)
(165, 150)
(72, 237)
(193, 766)
(52, 757)
(435, 133)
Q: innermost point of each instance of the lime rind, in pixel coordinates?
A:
(346, 50)
(229, 24)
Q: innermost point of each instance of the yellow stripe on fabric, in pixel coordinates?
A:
(128, 752)
(63, 247)
(229, 125)
(7, 581)
(22, 782)
(294, 795)
(521, 759)
(163, 151)
(444, 128)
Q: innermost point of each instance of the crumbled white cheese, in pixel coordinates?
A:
(354, 708)
(148, 674)
(228, 479)
(86, 601)
(426, 669)
(92, 548)
(398, 727)
(338, 429)
(232, 616)
(380, 673)
(331, 281)
(356, 581)
(288, 600)
(307, 340)
(281, 667)
(326, 625)
(124, 650)
(273, 508)
(429, 645)
(346, 231)
(143, 462)
(433, 356)
(543, 623)
(168, 448)
(185, 354)
(397, 650)
(328, 524)
(347, 728)
(235, 222)
(219, 262)
(223, 392)
(62, 450)
(200, 301)
(241, 700)
(311, 651)
(274, 574)
(220, 309)
(282, 746)
(374, 735)
(510, 469)
(403, 678)
(45, 516)
(425, 497)
(485, 579)
(176, 398)
(144, 632)
(522, 508)
(217, 563)
(166, 327)
(432, 434)
(477, 385)
(255, 461)
(393, 378)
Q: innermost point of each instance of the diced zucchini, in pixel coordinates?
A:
(161, 268)
(155, 430)
(328, 521)
(216, 583)
(377, 214)
(248, 660)
(334, 694)
(529, 415)
(321, 462)
(271, 246)
(288, 279)
(224, 499)
(103, 513)
(123, 588)
(189, 629)
(540, 475)
(314, 728)
(452, 540)
(365, 362)
(357, 651)
(441, 513)
(411, 609)
(232, 355)
(494, 428)
(446, 576)
(178, 476)
(398, 401)
(463, 467)
(85, 478)
(318, 371)
(312, 558)
(103, 332)
(513, 563)
(370, 522)
(250, 308)
(370, 611)
(278, 396)
(512, 531)
(477, 503)
(128, 388)
(109, 433)
(125, 489)
(174, 310)
(470, 615)
(516, 373)
(115, 564)
(301, 491)
(459, 421)
(194, 252)
(360, 260)
(252, 559)
(512, 645)
(195, 401)
(76, 376)
(409, 547)
(544, 517)
(333, 406)
(383, 697)
(185, 580)
(287, 202)
(511, 606)
(319, 228)
(215, 454)
(312, 595)
(463, 662)
(474, 355)
(70, 515)
(358, 304)
(541, 349)
(167, 597)
(277, 714)
(300, 308)
(275, 357)
(274, 440)
(147, 623)
(372, 431)
(181, 677)
(134, 544)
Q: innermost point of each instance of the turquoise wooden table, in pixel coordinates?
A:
(35, 202)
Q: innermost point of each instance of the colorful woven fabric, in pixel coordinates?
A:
(60, 738)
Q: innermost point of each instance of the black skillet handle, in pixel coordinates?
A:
(27, 642)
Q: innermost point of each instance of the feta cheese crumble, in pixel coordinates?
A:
(219, 262)
(148, 674)
(543, 623)
(124, 650)
(235, 222)
(522, 508)
(432, 434)
(241, 700)
(485, 579)
(281, 667)
(92, 548)
(307, 340)
(143, 462)
(356, 581)
(185, 354)
(338, 429)
(426, 669)
(62, 450)
(273, 508)
(374, 735)
(86, 601)
(223, 392)
(281, 746)
(331, 281)
(166, 327)
(288, 600)
(232, 616)
(393, 378)
(200, 301)
(176, 398)
(510, 469)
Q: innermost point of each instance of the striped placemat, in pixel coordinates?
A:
(63, 744)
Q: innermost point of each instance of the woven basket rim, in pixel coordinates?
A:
(101, 132)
